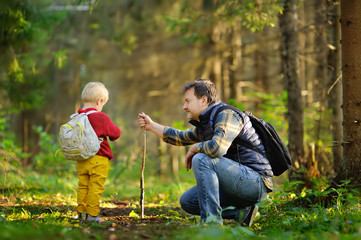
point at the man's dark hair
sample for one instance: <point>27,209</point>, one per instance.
<point>203,87</point>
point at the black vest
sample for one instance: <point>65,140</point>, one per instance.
<point>236,152</point>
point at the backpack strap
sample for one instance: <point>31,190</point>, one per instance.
<point>87,113</point>
<point>90,112</point>
<point>237,139</point>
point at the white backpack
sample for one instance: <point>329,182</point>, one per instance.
<point>77,138</point>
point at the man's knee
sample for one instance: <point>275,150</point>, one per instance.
<point>182,200</point>
<point>188,203</point>
<point>199,159</point>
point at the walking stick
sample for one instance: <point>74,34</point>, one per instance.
<point>142,175</point>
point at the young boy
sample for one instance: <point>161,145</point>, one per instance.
<point>93,172</point>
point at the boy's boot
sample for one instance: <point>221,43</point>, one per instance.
<point>79,216</point>
<point>95,219</point>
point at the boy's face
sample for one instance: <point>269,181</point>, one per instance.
<point>194,106</point>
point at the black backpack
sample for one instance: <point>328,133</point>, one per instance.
<point>276,150</point>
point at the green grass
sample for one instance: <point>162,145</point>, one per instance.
<point>39,206</point>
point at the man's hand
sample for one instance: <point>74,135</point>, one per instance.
<point>145,122</point>
<point>189,156</point>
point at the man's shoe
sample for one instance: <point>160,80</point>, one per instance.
<point>246,217</point>
<point>249,218</point>
<point>95,219</point>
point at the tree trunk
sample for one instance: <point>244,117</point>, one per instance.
<point>26,138</point>
<point>351,73</point>
<point>77,90</point>
<point>290,70</point>
<point>307,55</point>
<point>234,59</point>
<point>260,61</point>
<point>321,77</point>
<point>174,160</point>
<point>336,92</point>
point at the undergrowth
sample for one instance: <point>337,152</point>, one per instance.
<point>38,206</point>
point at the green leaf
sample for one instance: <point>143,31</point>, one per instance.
<point>133,214</point>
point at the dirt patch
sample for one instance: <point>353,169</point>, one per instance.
<point>120,220</point>
<point>159,221</point>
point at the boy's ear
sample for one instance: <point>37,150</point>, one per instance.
<point>102,101</point>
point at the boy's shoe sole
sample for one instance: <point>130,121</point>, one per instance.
<point>96,219</point>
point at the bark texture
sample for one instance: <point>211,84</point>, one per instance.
<point>351,72</point>
<point>290,70</point>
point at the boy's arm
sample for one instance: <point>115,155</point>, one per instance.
<point>103,126</point>
<point>113,131</point>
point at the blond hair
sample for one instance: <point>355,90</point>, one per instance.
<point>93,91</point>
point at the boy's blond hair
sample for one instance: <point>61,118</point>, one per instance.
<point>93,91</point>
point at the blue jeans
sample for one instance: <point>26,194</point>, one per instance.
<point>222,183</point>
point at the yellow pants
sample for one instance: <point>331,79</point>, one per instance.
<point>92,174</point>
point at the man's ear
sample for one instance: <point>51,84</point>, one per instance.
<point>204,100</point>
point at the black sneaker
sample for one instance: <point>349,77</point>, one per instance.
<point>248,220</point>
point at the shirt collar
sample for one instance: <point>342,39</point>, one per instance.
<point>204,114</point>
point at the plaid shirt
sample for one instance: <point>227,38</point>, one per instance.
<point>226,129</point>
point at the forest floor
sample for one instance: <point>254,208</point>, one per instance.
<point>120,220</point>
<point>35,213</point>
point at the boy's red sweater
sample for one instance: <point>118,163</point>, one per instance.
<point>104,128</point>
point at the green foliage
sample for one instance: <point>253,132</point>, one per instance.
<point>124,38</point>
<point>50,159</point>
<point>53,226</point>
<point>179,125</point>
<point>60,58</point>
<point>313,211</point>
<point>194,22</point>
<point>255,15</point>
<point>25,29</point>
<point>13,21</point>
<point>22,22</point>
<point>10,153</point>
<point>317,124</point>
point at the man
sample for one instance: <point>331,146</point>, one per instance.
<point>230,178</point>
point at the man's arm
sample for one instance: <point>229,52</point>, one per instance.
<point>227,127</point>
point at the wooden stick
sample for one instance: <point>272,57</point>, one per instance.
<point>142,176</point>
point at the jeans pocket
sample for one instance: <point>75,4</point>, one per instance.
<point>249,190</point>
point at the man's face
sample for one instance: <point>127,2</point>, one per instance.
<point>194,106</point>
